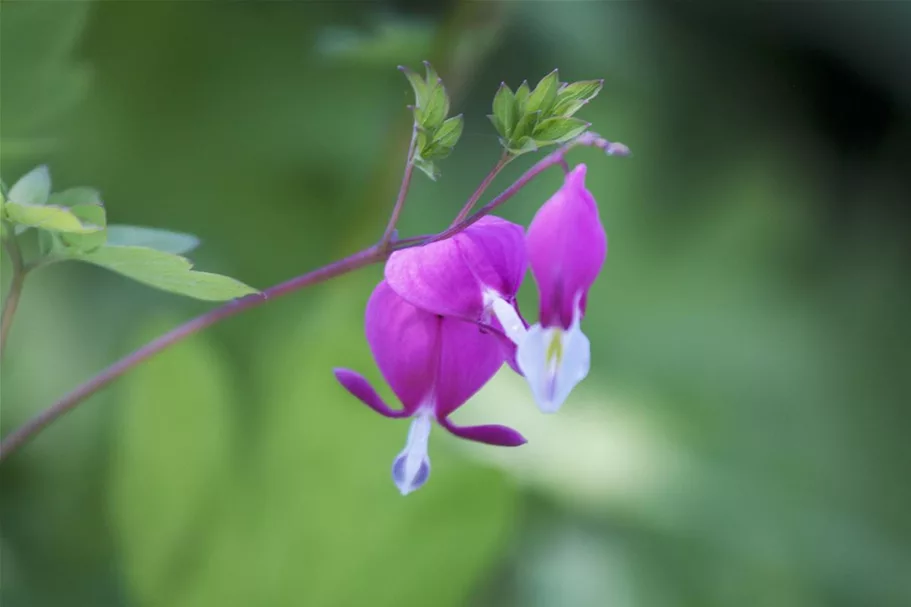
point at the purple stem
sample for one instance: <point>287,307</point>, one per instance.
<point>375,254</point>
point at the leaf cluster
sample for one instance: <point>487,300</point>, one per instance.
<point>436,134</point>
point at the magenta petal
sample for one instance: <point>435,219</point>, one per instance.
<point>469,356</point>
<point>567,246</point>
<point>450,277</point>
<point>363,391</point>
<point>404,341</point>
<point>500,436</point>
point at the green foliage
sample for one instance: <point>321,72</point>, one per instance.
<point>41,80</point>
<point>170,455</point>
<point>312,506</point>
<point>72,225</point>
<point>436,135</point>
<point>530,119</point>
<point>164,271</point>
<point>152,238</point>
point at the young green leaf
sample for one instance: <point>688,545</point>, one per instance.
<point>165,271</point>
<point>525,126</point>
<point>522,146</point>
<point>33,188</point>
<point>504,108</point>
<point>91,213</point>
<point>544,95</point>
<point>498,125</point>
<point>449,132</point>
<point>48,217</point>
<point>521,96</point>
<point>433,114</point>
<point>573,96</point>
<point>558,130</point>
<point>418,84</point>
<point>427,167</point>
<point>166,241</point>
<point>431,75</point>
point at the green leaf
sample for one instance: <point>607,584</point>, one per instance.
<point>161,240</point>
<point>575,95</point>
<point>433,114</point>
<point>522,94</point>
<point>523,146</point>
<point>544,95</point>
<point>48,217</point>
<point>558,130</point>
<point>33,188</point>
<point>165,271</point>
<point>504,109</point>
<point>89,213</point>
<point>171,454</point>
<point>525,126</point>
<point>418,85</point>
<point>499,126</point>
<point>449,132</point>
<point>428,167</point>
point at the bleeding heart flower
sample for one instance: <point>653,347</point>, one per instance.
<point>473,276</point>
<point>567,247</point>
<point>433,365</point>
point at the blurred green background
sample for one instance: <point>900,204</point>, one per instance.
<point>742,438</point>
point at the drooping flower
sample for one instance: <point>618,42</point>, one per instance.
<point>433,365</point>
<point>473,276</point>
<point>567,246</point>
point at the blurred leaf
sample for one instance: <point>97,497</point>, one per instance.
<point>90,213</point>
<point>165,271</point>
<point>504,110</point>
<point>387,43</point>
<point>573,96</point>
<point>523,146</point>
<point>33,188</point>
<point>48,217</point>
<point>542,98</point>
<point>153,238</point>
<point>41,80</point>
<point>558,130</point>
<point>171,452</point>
<point>449,132</point>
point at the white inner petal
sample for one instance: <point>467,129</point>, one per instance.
<point>412,466</point>
<point>508,317</point>
<point>553,361</point>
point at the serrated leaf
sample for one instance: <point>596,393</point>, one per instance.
<point>48,217</point>
<point>575,95</point>
<point>172,454</point>
<point>521,96</point>
<point>504,108</point>
<point>428,167</point>
<point>558,130</point>
<point>161,240</point>
<point>417,84</point>
<point>165,271</point>
<point>544,95</point>
<point>449,132</point>
<point>525,126</point>
<point>33,188</point>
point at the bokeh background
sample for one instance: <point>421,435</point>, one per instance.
<point>742,439</point>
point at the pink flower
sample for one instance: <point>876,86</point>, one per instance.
<point>433,365</point>
<point>566,246</point>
